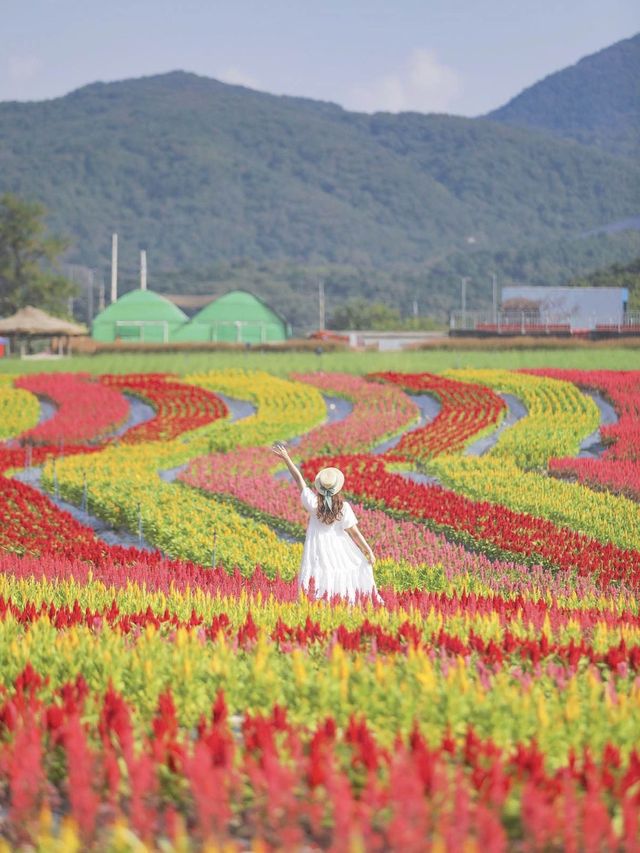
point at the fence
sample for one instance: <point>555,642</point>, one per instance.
<point>524,323</point>
<point>152,331</point>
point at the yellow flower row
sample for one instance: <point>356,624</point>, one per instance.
<point>19,409</point>
<point>559,416</point>
<point>607,517</point>
<point>124,488</point>
<point>394,691</point>
<point>285,409</point>
<point>267,611</point>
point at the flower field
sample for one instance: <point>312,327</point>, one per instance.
<point>184,694</point>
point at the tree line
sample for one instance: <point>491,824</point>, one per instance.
<point>29,259</point>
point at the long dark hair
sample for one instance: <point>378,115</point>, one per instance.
<point>326,515</point>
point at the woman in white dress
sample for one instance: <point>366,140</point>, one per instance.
<point>336,554</point>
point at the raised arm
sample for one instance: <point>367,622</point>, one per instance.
<point>361,542</point>
<point>280,450</point>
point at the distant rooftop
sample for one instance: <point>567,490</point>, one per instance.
<point>189,300</point>
<point>581,307</point>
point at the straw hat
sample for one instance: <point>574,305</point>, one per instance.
<point>329,481</point>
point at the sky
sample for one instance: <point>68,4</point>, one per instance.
<point>464,57</point>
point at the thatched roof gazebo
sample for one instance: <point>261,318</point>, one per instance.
<point>31,322</point>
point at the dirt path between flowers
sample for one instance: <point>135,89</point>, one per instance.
<point>516,410</point>
<point>238,411</point>
<point>429,406</point>
<point>592,446</point>
<point>47,409</point>
<point>338,409</point>
<point>139,412</point>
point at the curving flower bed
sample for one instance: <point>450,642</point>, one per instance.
<point>150,701</point>
<point>85,410</point>
<point>618,468</point>
<point>379,412</point>
<point>179,407</point>
<point>558,416</point>
<point>468,411</point>
<point>494,528</point>
<point>19,409</point>
<point>124,489</point>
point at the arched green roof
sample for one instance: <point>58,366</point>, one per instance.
<point>141,305</point>
<point>238,305</point>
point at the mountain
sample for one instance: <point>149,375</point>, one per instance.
<point>198,171</point>
<point>594,102</point>
<point>227,186</point>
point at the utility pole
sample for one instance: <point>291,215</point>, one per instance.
<point>143,270</point>
<point>415,307</point>
<point>114,268</point>
<point>90,295</point>
<point>494,301</point>
<point>321,306</point>
<point>463,292</point>
<point>101,295</point>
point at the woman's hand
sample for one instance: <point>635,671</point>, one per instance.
<point>372,557</point>
<point>280,449</point>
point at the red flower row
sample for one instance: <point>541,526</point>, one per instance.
<point>620,476</point>
<point>179,407</point>
<point>33,525</point>
<point>618,469</point>
<point>25,457</point>
<point>466,410</point>
<point>622,387</point>
<point>311,787</point>
<point>86,409</point>
<point>118,567</point>
<point>490,525</point>
<point>364,637</point>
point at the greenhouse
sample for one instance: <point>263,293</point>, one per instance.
<point>236,317</point>
<point>140,315</point>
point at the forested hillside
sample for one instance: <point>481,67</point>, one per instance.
<point>616,275</point>
<point>198,171</point>
<point>596,101</point>
<point>224,185</point>
<point>292,288</point>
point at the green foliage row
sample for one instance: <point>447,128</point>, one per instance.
<point>364,314</point>
<point>282,364</point>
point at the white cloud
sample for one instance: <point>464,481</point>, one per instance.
<point>423,84</point>
<point>237,77</point>
<point>22,69</point>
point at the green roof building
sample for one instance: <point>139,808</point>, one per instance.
<point>140,315</point>
<point>237,317</point>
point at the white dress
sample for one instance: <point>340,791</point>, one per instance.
<point>331,557</point>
